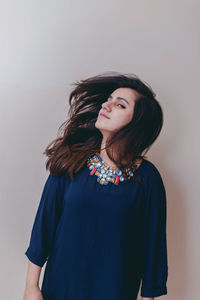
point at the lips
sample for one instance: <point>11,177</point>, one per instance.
<point>101,114</point>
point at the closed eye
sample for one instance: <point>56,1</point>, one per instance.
<point>117,104</point>
<point>122,105</point>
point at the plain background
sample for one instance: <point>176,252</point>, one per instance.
<point>47,45</point>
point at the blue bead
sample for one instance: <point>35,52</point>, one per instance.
<point>118,172</point>
<point>98,164</point>
<point>121,178</point>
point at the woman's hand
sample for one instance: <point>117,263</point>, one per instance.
<point>32,293</point>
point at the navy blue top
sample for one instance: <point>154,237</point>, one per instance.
<point>101,241</point>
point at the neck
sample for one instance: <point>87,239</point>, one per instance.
<point>104,155</point>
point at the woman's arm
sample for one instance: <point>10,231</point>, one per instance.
<point>33,275</point>
<point>46,220</point>
<point>32,282</point>
<point>154,243</point>
<point>147,298</point>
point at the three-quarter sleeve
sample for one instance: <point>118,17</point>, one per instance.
<point>46,220</point>
<point>154,246</point>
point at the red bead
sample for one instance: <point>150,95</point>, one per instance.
<point>93,170</point>
<point>117,180</point>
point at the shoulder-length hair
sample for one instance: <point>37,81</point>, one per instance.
<point>78,138</point>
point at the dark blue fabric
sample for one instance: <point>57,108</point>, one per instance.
<point>101,242</point>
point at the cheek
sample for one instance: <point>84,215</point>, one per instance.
<point>125,118</point>
<point>122,119</point>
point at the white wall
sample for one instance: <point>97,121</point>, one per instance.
<point>45,46</point>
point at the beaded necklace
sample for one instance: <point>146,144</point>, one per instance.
<point>106,173</point>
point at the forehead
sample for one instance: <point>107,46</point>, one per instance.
<point>125,92</point>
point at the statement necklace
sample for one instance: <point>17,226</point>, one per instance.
<point>106,173</point>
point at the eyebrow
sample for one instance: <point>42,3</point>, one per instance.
<point>121,99</point>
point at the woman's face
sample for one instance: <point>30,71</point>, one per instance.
<point>118,108</point>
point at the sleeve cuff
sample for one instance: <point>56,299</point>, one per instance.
<point>154,291</point>
<point>37,260</point>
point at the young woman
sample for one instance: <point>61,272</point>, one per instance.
<point>101,220</point>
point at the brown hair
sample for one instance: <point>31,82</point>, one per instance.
<point>78,138</point>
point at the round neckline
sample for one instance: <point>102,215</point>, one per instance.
<point>124,184</point>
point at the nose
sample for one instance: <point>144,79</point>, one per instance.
<point>106,105</point>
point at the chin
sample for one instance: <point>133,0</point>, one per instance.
<point>95,124</point>
<point>99,124</point>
